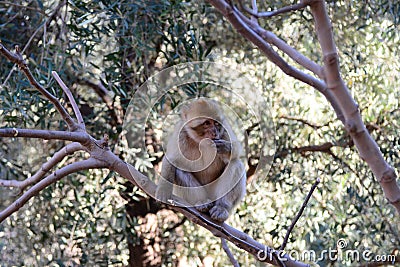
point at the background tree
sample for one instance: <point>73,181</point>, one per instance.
<point>96,217</point>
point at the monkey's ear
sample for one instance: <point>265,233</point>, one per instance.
<point>184,112</point>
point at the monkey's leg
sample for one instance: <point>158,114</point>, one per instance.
<point>233,179</point>
<point>191,190</point>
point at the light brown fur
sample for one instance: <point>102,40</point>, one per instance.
<point>202,163</point>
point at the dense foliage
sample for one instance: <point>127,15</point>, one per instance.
<point>105,50</point>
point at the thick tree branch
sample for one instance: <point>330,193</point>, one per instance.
<point>366,145</point>
<point>81,137</point>
<point>45,168</point>
<point>52,178</point>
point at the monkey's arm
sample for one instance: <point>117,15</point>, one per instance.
<point>165,185</point>
<point>230,189</point>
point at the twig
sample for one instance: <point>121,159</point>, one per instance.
<point>285,240</point>
<point>173,227</point>
<point>18,59</point>
<point>81,137</point>
<point>23,7</point>
<point>255,10</point>
<point>229,253</point>
<point>57,157</point>
<point>304,121</point>
<point>114,109</point>
<point>71,99</point>
<point>270,14</point>
<point>90,163</point>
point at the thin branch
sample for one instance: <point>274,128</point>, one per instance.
<point>173,227</point>
<point>18,59</point>
<point>255,10</point>
<point>45,168</point>
<point>252,35</point>
<point>99,89</point>
<point>274,40</point>
<point>114,109</point>
<point>270,14</point>
<point>81,137</point>
<point>229,253</point>
<point>87,164</point>
<point>276,257</point>
<point>311,124</point>
<point>285,240</point>
<point>23,7</point>
<point>324,147</point>
<point>45,24</point>
<point>71,99</point>
<point>243,241</point>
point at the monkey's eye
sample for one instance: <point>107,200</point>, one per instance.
<point>207,123</point>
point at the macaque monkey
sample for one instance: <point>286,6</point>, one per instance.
<point>202,164</point>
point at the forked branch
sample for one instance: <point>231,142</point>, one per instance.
<point>236,19</point>
<point>45,168</point>
<point>87,164</point>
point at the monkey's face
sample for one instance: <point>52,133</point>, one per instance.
<point>201,128</point>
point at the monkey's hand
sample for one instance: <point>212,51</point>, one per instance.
<point>204,207</point>
<point>219,213</point>
<point>223,146</point>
